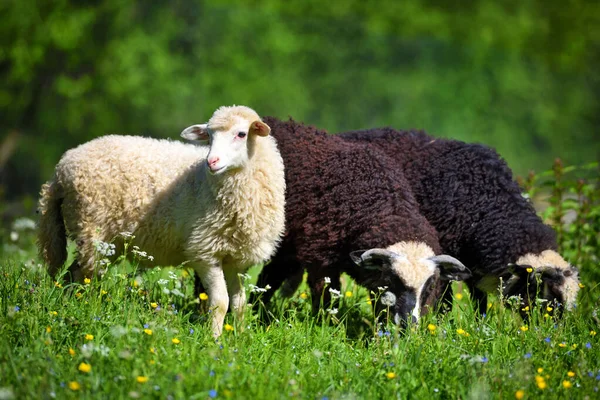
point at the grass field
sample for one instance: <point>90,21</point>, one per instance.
<point>138,334</point>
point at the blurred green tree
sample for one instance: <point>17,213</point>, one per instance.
<point>519,76</point>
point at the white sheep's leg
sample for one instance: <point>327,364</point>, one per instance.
<point>213,280</point>
<point>237,293</point>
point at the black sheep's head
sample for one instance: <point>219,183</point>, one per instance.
<point>406,275</point>
<point>545,280</point>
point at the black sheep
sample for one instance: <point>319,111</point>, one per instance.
<point>342,197</point>
<point>467,192</point>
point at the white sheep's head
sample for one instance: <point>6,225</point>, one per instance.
<point>231,132</point>
<point>411,275</point>
<point>547,277</point>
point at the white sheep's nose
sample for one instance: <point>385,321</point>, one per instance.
<point>212,163</point>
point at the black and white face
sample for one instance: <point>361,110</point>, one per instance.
<point>405,278</point>
<point>556,287</point>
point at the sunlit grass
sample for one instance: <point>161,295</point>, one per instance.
<point>129,335</point>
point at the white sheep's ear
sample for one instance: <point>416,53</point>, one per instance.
<point>260,128</point>
<point>450,268</point>
<point>197,133</point>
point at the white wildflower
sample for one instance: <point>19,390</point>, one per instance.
<point>177,292</point>
<point>105,249</point>
<point>126,235</point>
<point>22,224</point>
<point>335,294</point>
<point>327,280</point>
<point>382,288</point>
<point>332,311</point>
<point>172,275</point>
<point>162,281</point>
<point>14,236</point>
<point>256,289</point>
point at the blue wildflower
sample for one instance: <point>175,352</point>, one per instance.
<point>212,393</point>
<point>17,308</point>
<point>211,373</point>
<point>547,340</point>
<point>379,333</point>
<point>528,355</point>
<point>146,326</point>
<point>484,359</point>
<point>191,331</point>
<point>588,345</point>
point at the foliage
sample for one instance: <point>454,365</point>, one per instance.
<point>518,76</point>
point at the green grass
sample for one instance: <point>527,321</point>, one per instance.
<point>46,350</point>
<point>295,356</point>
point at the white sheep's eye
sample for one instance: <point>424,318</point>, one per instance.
<point>241,134</point>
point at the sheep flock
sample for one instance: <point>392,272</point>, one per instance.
<point>401,212</point>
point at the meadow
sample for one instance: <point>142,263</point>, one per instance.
<point>138,334</point>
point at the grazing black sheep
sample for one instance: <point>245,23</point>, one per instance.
<point>467,192</point>
<point>342,197</point>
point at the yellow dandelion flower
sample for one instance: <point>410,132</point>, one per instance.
<point>89,337</point>
<point>539,371</point>
<point>519,394</point>
<point>574,346</point>
<point>74,385</point>
<point>570,374</point>
<point>431,328</point>
<point>546,315</point>
<point>103,292</point>
<point>458,296</point>
<point>562,345</point>
<point>151,362</point>
<point>57,284</point>
<point>529,270</point>
<point>348,293</point>
<point>135,283</point>
<point>390,375</point>
<point>175,341</point>
<point>490,305</point>
<point>87,281</point>
<point>53,313</point>
<point>549,309</point>
<point>581,285</point>
<point>228,327</point>
<point>524,328</point>
<point>152,350</point>
<point>203,296</point>
<point>153,305</point>
<point>567,384</point>
<point>461,331</point>
<point>303,296</point>
<point>542,385</point>
<point>148,331</point>
<point>83,367</point>
<point>71,352</point>
<point>184,273</point>
<point>592,333</point>
<point>526,308</point>
<point>48,329</point>
<point>142,379</point>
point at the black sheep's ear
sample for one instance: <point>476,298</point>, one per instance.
<point>520,270</point>
<point>450,268</point>
<point>374,259</point>
<point>571,271</point>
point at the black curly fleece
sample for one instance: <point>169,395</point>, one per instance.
<point>340,197</point>
<point>468,194</point>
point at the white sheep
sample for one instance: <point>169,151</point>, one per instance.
<point>219,209</point>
